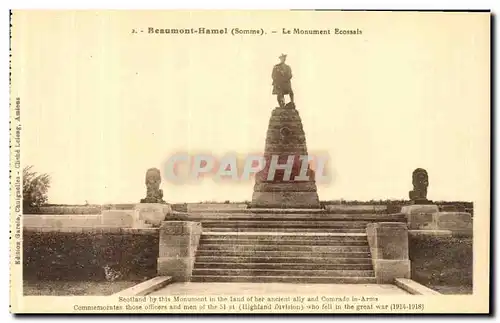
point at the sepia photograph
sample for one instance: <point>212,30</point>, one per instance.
<point>292,161</point>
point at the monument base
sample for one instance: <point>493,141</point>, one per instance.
<point>152,200</point>
<point>294,188</point>
<point>421,202</point>
<point>286,200</point>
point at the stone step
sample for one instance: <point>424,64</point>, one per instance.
<point>228,265</point>
<point>281,259</point>
<point>286,279</point>
<point>281,247</point>
<point>282,272</point>
<point>332,211</point>
<point>282,236</point>
<point>275,242</point>
<point>283,224</point>
<point>309,216</point>
<point>271,254</point>
<point>264,211</point>
<point>285,229</point>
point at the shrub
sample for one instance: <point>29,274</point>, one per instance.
<point>35,188</point>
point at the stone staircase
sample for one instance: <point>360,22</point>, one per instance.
<point>300,247</point>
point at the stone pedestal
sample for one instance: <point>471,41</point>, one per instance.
<point>421,201</point>
<point>420,216</point>
<point>150,214</point>
<point>389,248</point>
<point>286,200</point>
<point>285,139</point>
<point>178,244</point>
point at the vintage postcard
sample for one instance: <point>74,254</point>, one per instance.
<point>293,161</point>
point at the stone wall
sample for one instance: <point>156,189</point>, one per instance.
<point>356,208</point>
<point>108,219</point>
<point>61,221</point>
<point>428,217</point>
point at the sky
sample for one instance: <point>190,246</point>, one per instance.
<point>100,105</point>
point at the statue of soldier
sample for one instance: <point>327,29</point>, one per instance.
<point>282,74</point>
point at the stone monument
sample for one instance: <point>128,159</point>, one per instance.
<point>424,215</point>
<point>153,209</point>
<point>421,211</point>
<point>153,192</point>
<point>420,181</point>
<point>285,140</point>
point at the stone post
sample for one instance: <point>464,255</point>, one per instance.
<point>389,248</point>
<point>178,244</point>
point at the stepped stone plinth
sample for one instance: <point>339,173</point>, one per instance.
<point>285,139</point>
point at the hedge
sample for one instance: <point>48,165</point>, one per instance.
<point>441,260</point>
<point>90,209</point>
<point>94,209</point>
<point>180,207</point>
<point>84,255</point>
<point>393,206</point>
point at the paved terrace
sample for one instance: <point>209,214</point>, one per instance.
<point>216,289</point>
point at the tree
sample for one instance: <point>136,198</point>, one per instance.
<point>35,188</point>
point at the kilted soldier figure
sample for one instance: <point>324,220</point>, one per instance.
<point>282,74</point>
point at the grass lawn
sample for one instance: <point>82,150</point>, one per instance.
<point>74,288</point>
<point>453,290</point>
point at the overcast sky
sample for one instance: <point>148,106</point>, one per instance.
<point>101,105</point>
